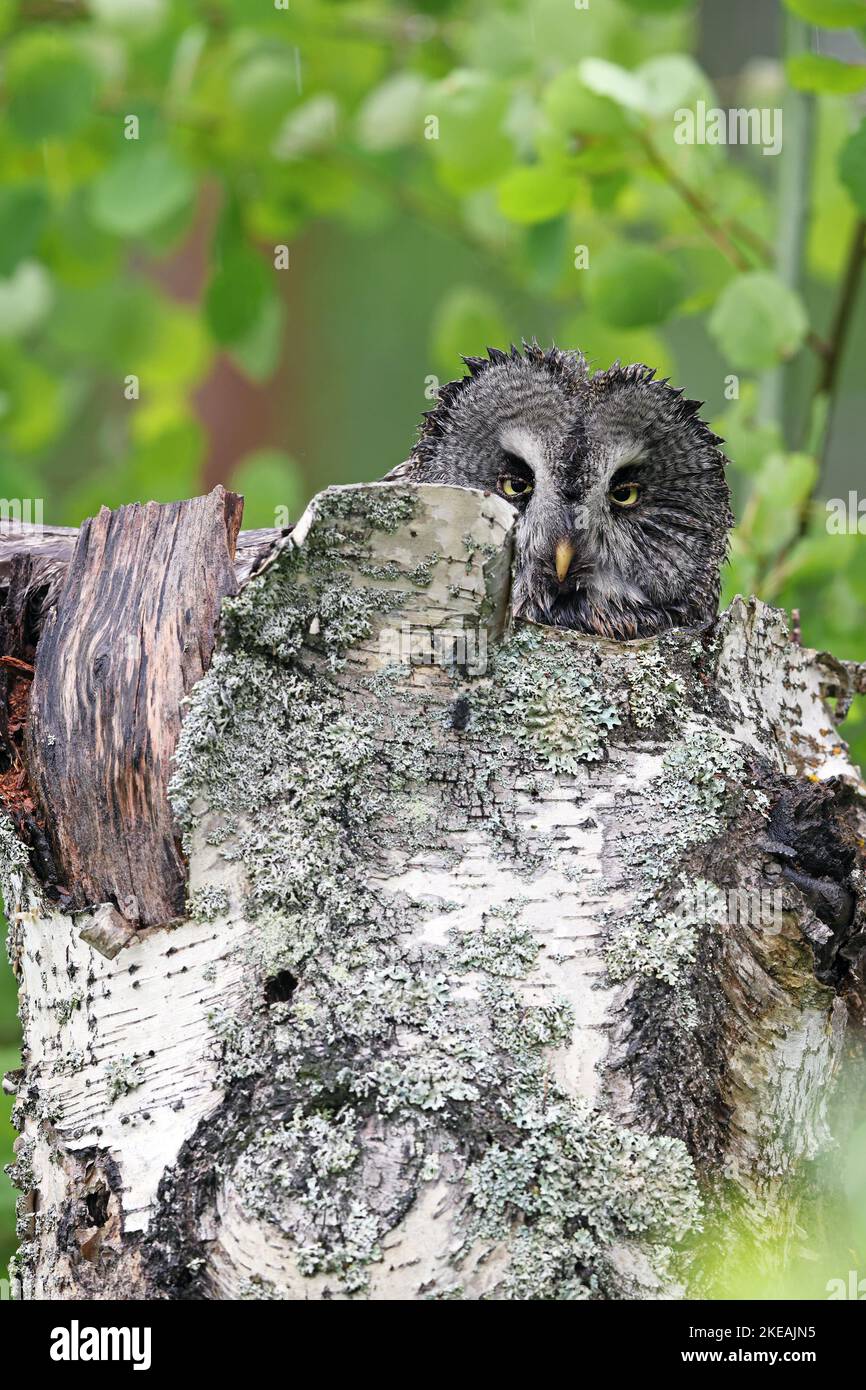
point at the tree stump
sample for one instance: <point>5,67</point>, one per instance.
<point>513,964</point>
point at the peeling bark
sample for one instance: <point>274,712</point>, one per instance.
<point>458,1006</point>
<point>131,634</point>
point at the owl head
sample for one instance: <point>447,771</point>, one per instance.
<point>623,508</point>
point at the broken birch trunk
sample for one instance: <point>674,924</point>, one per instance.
<point>495,961</point>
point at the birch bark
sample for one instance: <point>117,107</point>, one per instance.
<point>511,964</point>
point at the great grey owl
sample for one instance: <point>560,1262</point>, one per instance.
<point>623,508</point>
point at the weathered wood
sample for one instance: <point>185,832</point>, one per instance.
<point>131,634</point>
<point>50,549</point>
<point>17,649</point>
<point>457,1009</point>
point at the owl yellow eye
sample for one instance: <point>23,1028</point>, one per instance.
<point>624,494</point>
<point>515,487</point>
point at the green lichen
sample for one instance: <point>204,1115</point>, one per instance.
<point>402,1057</point>
<point>208,903</point>
<point>474,548</point>
<point>65,1008</point>
<point>698,788</point>
<point>546,697</point>
<point>376,508</point>
<point>122,1076</point>
<point>579,1184</point>
<point>649,941</point>
<point>259,1290</point>
<point>17,883</point>
<point>421,575</point>
<point>654,691</point>
<point>313,596</point>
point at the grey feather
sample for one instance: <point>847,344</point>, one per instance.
<point>576,436</point>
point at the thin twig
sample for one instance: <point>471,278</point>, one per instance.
<point>720,232</point>
<point>714,229</point>
<point>823,398</point>
<point>844,311</point>
<point>792,197</point>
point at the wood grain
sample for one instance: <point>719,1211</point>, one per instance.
<point>131,633</point>
<point>50,550</point>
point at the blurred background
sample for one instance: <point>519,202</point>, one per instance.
<point>242,241</point>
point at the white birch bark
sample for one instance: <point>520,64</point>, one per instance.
<point>458,1009</point>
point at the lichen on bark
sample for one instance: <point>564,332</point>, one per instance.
<point>452,1013</point>
<point>410,1051</point>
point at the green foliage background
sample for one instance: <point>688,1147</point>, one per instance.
<point>432,168</point>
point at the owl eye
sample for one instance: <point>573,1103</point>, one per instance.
<point>624,494</point>
<point>515,487</point>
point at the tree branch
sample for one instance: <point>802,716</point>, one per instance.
<point>720,233</point>
<point>793,197</point>
<point>823,399</point>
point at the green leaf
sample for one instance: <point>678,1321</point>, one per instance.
<point>467,321</point>
<point>758,321</point>
<point>829,14</point>
<point>8,14</point>
<point>852,166</point>
<point>706,273</point>
<point>262,91</point>
<point>547,256</point>
<point>832,213</point>
<point>112,326</point>
<point>610,80</point>
<point>257,354</point>
<point>25,298</point>
<point>468,141</point>
<point>167,464</point>
<point>142,189</point>
<point>572,108</point>
<point>237,295</point>
<point>31,409</point>
<point>392,115</point>
<point>747,442</point>
<point>634,286</point>
<point>656,88</point>
<point>813,72</point>
<point>180,352</point>
<point>657,6</point>
<point>779,491</point>
<point>51,86</point>
<point>534,193</point>
<point>131,15</point>
<point>272,486</point>
<point>310,127</point>
<point>23,213</point>
<point>817,558</point>
<point>671,81</point>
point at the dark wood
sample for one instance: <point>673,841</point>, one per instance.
<point>17,649</point>
<point>50,549</point>
<point>130,634</point>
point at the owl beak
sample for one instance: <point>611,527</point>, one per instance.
<point>563,558</point>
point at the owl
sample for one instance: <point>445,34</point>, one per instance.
<point>623,507</point>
